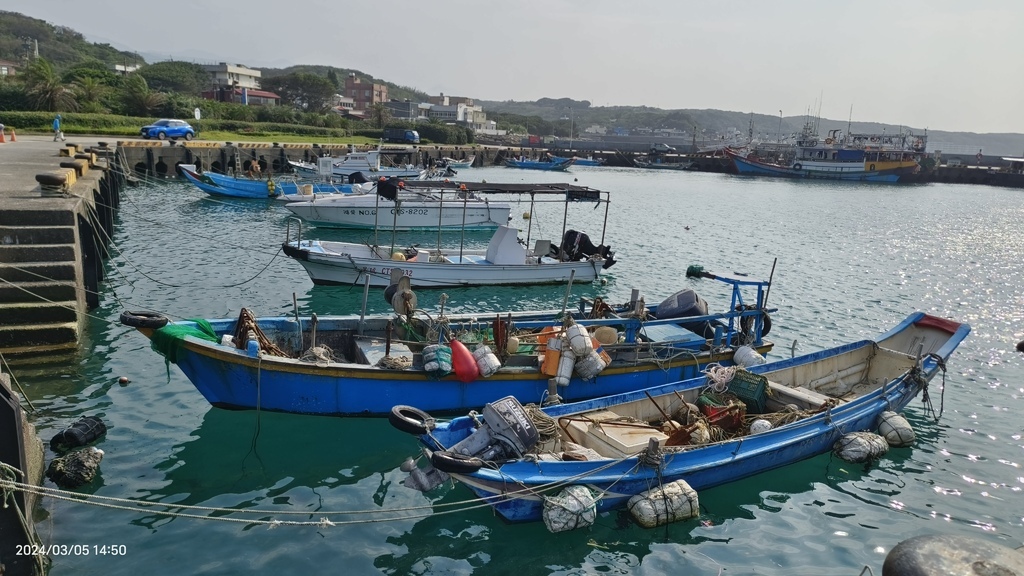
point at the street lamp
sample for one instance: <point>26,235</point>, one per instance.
<point>780,126</point>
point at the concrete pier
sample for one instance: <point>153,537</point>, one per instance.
<point>57,204</point>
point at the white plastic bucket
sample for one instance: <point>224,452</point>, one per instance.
<point>746,356</point>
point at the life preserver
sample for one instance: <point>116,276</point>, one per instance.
<point>797,166</point>
<point>455,463</point>
<point>828,140</point>
<point>270,188</point>
<point>152,320</point>
<point>411,420</point>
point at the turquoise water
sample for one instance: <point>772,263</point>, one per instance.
<point>853,260</point>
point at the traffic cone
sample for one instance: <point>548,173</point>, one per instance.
<point>14,137</point>
<point>2,139</point>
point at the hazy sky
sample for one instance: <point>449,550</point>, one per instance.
<point>943,65</point>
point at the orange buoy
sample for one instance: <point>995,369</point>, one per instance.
<point>465,366</point>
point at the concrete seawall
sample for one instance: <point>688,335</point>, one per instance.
<point>57,206</point>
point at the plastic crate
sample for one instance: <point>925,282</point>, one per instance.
<point>752,389</point>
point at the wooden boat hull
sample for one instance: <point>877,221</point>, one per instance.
<point>889,363</point>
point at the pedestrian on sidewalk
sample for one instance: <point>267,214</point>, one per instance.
<point>57,132</point>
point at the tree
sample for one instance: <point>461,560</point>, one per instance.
<point>309,92</point>
<point>90,93</point>
<point>46,90</point>
<point>380,114</point>
<point>181,77</point>
<point>138,99</point>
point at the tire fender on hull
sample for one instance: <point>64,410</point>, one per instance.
<point>411,420</point>
<point>455,463</point>
<point>143,319</point>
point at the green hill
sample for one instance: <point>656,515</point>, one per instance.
<point>58,44</point>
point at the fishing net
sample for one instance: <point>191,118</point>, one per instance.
<point>168,340</point>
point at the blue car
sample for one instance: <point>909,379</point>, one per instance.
<point>173,129</point>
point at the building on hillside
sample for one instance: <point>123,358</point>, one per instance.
<point>342,104</point>
<point>234,75</point>
<point>126,69</point>
<point>247,96</point>
<point>443,100</point>
<point>364,95</point>
<point>8,68</point>
<point>407,111</point>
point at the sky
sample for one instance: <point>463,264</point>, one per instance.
<point>937,64</point>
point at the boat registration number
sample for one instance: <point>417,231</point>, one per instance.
<point>413,211</point>
<point>386,271</point>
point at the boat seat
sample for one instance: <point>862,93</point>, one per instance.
<point>542,248</point>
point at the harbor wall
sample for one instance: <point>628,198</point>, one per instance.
<point>54,237</point>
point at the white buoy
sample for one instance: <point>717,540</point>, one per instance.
<point>566,363</point>
<point>579,340</point>
<point>512,346</point>
<point>659,506</point>
<point>573,507</point>
<point>860,447</point>
<point>760,425</point>
<point>895,429</point>
<point>486,361</point>
<point>590,365</point>
<point>746,356</point>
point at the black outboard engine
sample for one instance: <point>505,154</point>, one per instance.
<point>357,178</point>
<point>507,432</point>
<point>577,246</point>
<point>684,304</point>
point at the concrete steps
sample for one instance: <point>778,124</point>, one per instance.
<point>40,276</point>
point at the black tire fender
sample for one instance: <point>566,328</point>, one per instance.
<point>143,319</point>
<point>455,463</point>
<point>411,420</point>
<point>797,166</point>
<point>766,326</point>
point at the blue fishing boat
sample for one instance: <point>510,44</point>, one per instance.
<point>281,189</point>
<point>625,445</point>
<point>855,157</point>
<point>339,365</point>
<point>577,161</point>
<point>560,164</point>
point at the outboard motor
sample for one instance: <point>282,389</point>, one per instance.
<point>577,246</point>
<point>684,304</point>
<point>507,432</point>
<point>357,178</point>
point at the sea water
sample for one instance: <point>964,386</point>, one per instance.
<point>850,261</point>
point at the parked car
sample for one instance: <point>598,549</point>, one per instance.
<point>661,148</point>
<point>173,129</point>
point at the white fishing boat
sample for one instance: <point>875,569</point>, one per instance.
<point>398,206</point>
<point>356,161</point>
<point>507,259</point>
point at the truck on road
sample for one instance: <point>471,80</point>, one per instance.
<point>401,135</point>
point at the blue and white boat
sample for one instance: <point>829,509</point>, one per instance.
<point>577,161</point>
<point>561,164</point>
<point>627,444</point>
<point>856,157</point>
<point>335,365</point>
<point>276,188</point>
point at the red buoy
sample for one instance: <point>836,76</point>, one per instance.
<point>465,366</point>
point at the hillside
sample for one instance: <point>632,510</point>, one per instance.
<point>719,122</point>
<point>394,90</point>
<point>58,44</point>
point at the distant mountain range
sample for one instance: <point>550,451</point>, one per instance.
<point>66,47</point>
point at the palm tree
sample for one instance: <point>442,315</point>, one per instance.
<point>45,90</point>
<point>380,114</point>
<point>90,92</point>
<point>138,98</point>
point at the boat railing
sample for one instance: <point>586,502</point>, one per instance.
<point>288,231</point>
